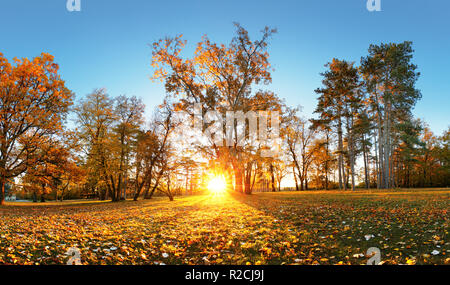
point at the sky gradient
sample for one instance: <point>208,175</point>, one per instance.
<point>107,43</point>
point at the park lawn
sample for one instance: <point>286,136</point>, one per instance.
<point>320,227</point>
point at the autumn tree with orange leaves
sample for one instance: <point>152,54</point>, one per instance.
<point>34,102</point>
<point>58,168</point>
<point>220,77</point>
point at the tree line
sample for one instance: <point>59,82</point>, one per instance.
<point>363,132</point>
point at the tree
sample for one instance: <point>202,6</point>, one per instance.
<point>129,113</point>
<point>363,128</point>
<point>427,159</point>
<point>337,104</point>
<point>443,157</point>
<point>69,164</point>
<point>147,154</point>
<point>154,149</point>
<point>56,170</point>
<point>219,78</point>
<point>323,161</point>
<point>34,102</point>
<point>94,118</point>
<point>407,150</point>
<point>298,135</point>
<point>109,128</point>
<point>389,79</point>
<point>167,180</point>
<point>280,172</point>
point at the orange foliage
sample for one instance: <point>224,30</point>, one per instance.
<point>33,103</point>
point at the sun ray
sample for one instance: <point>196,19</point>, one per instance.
<point>217,184</point>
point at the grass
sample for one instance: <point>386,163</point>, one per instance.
<point>320,227</point>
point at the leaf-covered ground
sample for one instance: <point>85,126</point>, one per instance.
<point>409,227</point>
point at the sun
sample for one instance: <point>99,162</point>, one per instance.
<point>217,184</point>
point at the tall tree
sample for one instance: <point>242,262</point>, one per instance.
<point>34,102</point>
<point>407,150</point>
<point>129,112</point>
<point>363,129</point>
<point>298,135</point>
<point>337,102</point>
<point>154,151</point>
<point>390,79</point>
<point>94,118</point>
<point>221,78</point>
<point>323,159</point>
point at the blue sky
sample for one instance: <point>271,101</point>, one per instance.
<point>107,43</point>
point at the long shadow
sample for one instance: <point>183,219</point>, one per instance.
<point>266,204</point>
<point>96,206</point>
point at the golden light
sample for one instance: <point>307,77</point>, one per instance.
<point>217,184</point>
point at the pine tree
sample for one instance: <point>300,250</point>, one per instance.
<point>389,78</point>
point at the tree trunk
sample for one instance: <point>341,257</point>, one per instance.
<point>377,165</point>
<point>351,150</point>
<point>43,193</point>
<point>340,157</point>
<point>102,194</point>
<point>2,191</point>
<point>386,147</point>
<point>238,180</point>
<point>295,178</point>
<point>169,192</point>
<point>149,195</point>
<point>366,174</point>
<point>138,190</point>
<point>326,162</point>
<point>247,182</point>
<point>272,176</point>
<point>346,175</point>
